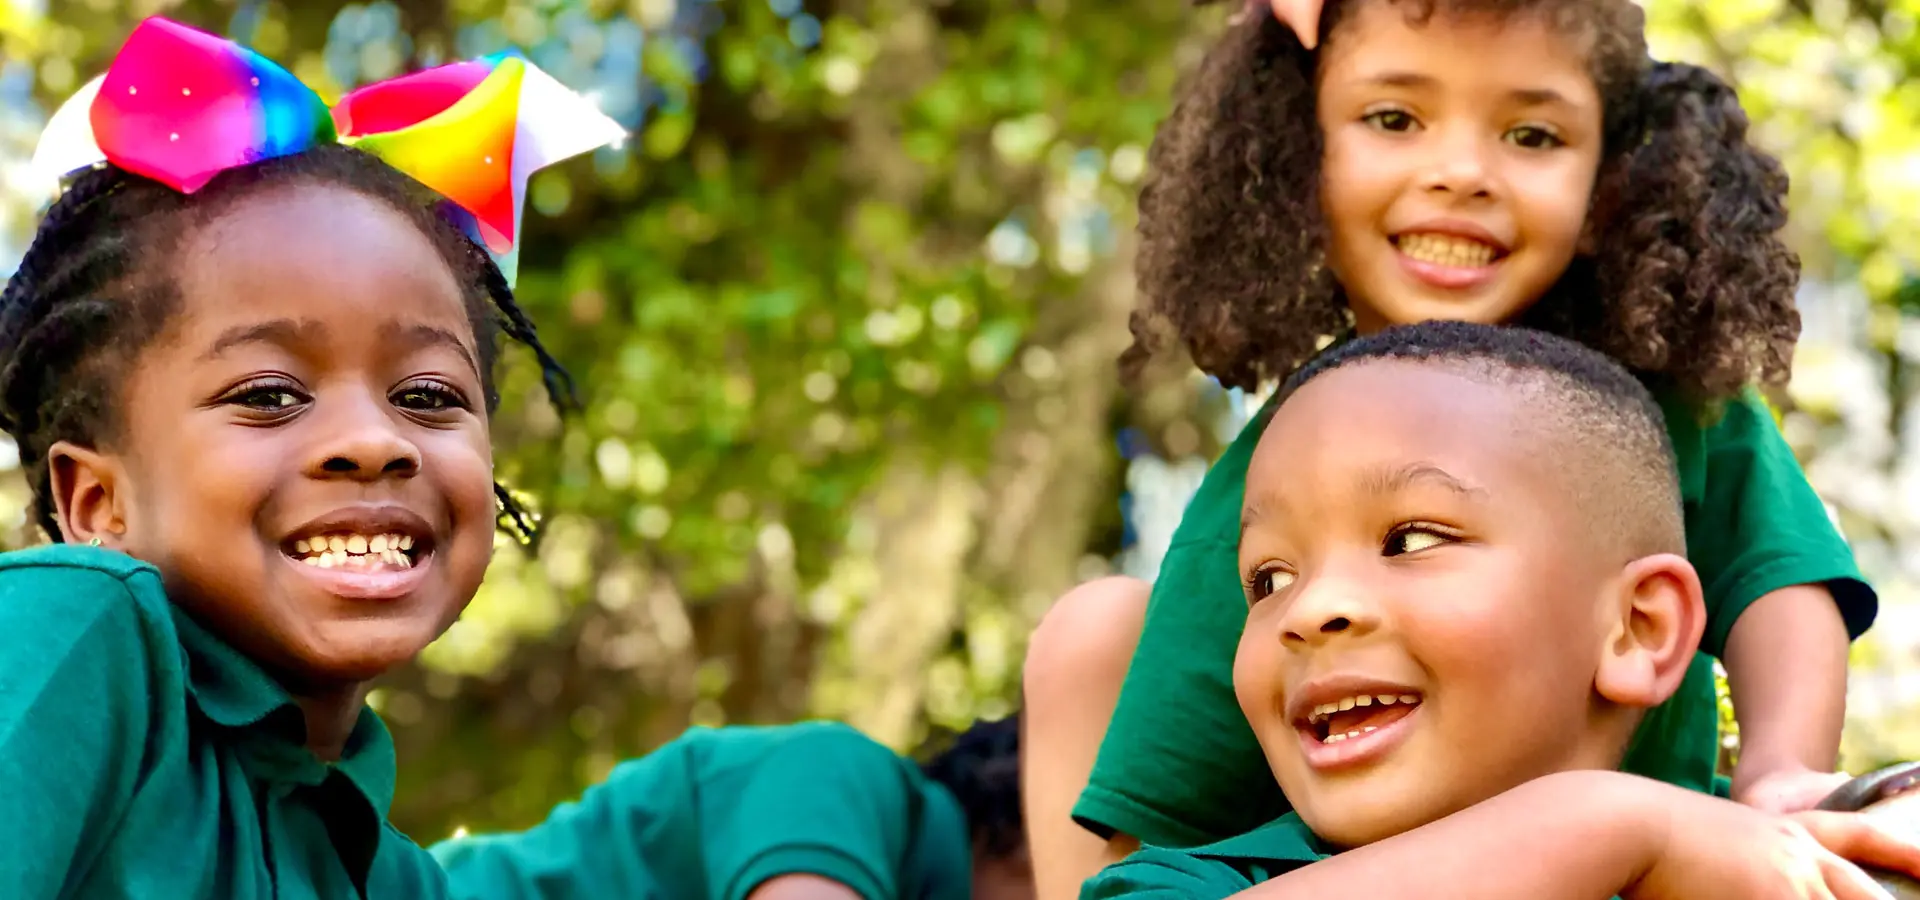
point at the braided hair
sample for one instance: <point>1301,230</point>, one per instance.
<point>97,285</point>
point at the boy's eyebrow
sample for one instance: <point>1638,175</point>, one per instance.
<point>1524,96</point>
<point>1386,481</point>
<point>1381,482</point>
<point>283,332</point>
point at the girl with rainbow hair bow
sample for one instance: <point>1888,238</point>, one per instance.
<point>248,361</point>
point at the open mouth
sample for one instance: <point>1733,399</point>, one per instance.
<point>1356,716</point>
<point>1451,251</point>
<point>365,552</point>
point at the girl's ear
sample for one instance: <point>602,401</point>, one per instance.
<point>87,498</point>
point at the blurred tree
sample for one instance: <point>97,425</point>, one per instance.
<point>844,313</point>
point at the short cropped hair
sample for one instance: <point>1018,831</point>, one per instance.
<point>1611,432</point>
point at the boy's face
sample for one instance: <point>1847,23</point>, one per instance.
<point>1460,160</point>
<point>1425,621</point>
<point>318,383</point>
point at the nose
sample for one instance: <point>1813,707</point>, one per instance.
<point>1325,608</point>
<point>362,442</point>
<point>1462,165</point>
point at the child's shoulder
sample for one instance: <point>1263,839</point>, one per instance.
<point>1218,870</point>
<point>80,584</point>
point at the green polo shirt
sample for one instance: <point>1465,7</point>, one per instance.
<point>718,812</point>
<point>1213,872</point>
<point>1179,766</point>
<point>142,757</point>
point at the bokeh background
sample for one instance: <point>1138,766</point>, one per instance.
<point>845,310</point>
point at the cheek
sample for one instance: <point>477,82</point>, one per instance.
<point>1255,678</point>
<point>463,463</point>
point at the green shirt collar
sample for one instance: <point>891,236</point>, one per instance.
<point>265,726</point>
<point>1286,841</point>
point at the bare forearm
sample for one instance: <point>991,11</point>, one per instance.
<point>1787,668</point>
<point>803,887</point>
<point>1575,834</point>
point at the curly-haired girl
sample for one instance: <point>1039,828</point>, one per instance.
<point>1496,161</point>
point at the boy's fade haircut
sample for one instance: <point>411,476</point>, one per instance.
<point>1611,436</point>
<point>1688,280</point>
<point>981,769</point>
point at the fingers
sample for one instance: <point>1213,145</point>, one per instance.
<point>1847,882</point>
<point>1791,794</point>
<point>1863,840</point>
<point>1303,16</point>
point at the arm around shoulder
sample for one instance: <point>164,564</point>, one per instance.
<point>80,652</point>
<point>1574,834</point>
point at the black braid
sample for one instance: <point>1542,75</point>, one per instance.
<point>96,286</point>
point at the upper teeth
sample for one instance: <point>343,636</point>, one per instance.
<point>337,549</point>
<point>1321,712</point>
<point>1447,250</point>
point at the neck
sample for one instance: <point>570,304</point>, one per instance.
<point>330,718</point>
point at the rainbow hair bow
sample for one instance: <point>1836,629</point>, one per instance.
<point>180,106</point>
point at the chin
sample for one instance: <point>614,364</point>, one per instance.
<point>362,650</point>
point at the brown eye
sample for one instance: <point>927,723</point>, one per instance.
<point>1413,539</point>
<point>1266,581</point>
<point>1396,120</point>
<point>1533,138</point>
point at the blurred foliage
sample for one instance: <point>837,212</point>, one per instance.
<point>844,311</point>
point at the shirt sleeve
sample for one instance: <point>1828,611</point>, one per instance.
<point>76,672</point>
<point>829,802</point>
<point>1761,527</point>
<point>1159,874</point>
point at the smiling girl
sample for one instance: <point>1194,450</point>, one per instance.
<point>1489,161</point>
<point>249,370</point>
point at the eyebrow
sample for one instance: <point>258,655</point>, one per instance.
<point>290,334</point>
<point>1384,481</point>
<point>430,336</point>
<point>286,333</point>
<point>1524,96</point>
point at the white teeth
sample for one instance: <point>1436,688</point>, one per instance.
<point>378,544</point>
<point>1321,712</point>
<point>355,544</point>
<point>301,546</point>
<point>336,543</point>
<point>1446,250</point>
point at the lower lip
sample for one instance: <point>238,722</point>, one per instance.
<point>385,584</point>
<point>1452,278</point>
<point>1356,751</point>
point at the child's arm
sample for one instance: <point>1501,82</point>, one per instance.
<point>77,669</point>
<point>1790,715</point>
<point>1575,834</point>
<point>1784,597</point>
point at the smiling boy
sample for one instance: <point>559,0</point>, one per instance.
<point>1462,550</point>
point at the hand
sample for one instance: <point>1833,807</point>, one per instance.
<point>1303,16</point>
<point>1790,790</point>
<point>1718,849</point>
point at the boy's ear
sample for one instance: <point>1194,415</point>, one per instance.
<point>87,499</point>
<point>1657,619</point>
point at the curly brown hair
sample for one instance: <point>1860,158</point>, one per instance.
<point>1687,283</point>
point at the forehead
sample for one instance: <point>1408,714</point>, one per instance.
<point>1460,49</point>
<point>316,253</point>
<point>1348,425</point>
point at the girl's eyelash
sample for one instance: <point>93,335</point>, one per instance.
<point>454,396</point>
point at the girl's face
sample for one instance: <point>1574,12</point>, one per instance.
<point>318,387</point>
<point>1460,158</point>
